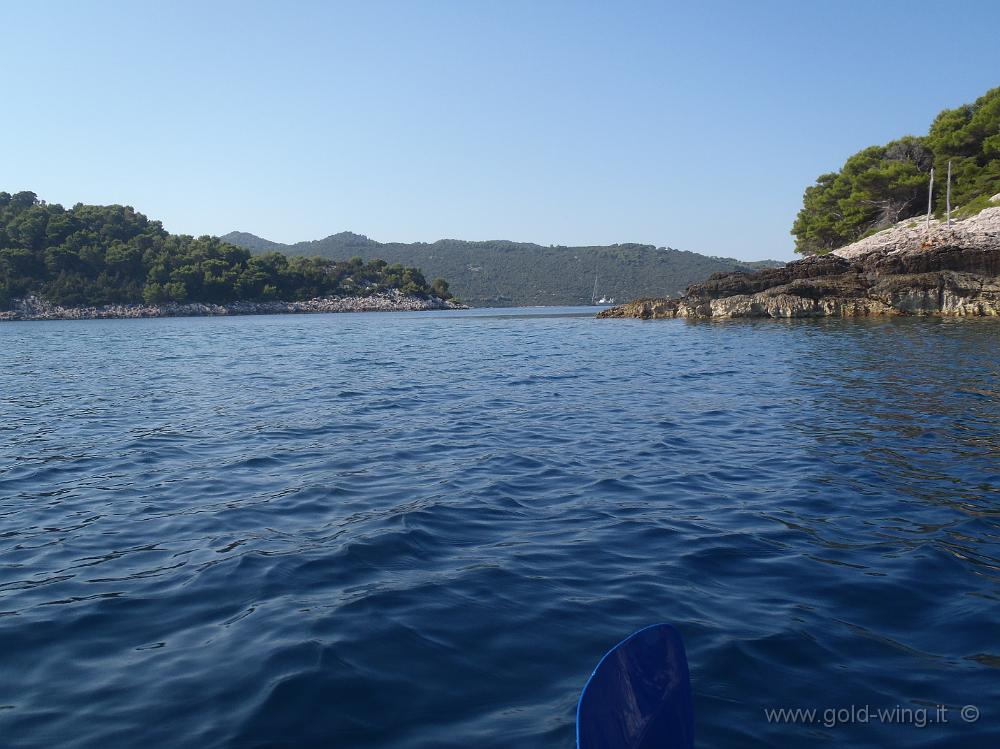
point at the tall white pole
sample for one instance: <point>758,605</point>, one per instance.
<point>930,201</point>
<point>947,199</point>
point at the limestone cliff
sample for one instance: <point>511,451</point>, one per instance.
<point>947,270</point>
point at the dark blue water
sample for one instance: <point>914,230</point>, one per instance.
<point>424,530</point>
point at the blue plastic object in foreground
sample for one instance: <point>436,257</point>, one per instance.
<point>639,696</point>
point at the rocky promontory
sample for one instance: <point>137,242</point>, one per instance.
<point>34,308</point>
<point>909,269</point>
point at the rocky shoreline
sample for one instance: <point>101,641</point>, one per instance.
<point>906,270</point>
<point>33,308</point>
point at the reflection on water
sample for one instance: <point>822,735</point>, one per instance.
<point>422,530</point>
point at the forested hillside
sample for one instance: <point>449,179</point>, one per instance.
<point>882,185</point>
<point>500,273</point>
<point>94,255</point>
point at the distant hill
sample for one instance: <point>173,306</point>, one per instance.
<point>500,273</point>
<point>251,242</point>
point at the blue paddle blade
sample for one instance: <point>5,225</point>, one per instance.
<point>639,696</point>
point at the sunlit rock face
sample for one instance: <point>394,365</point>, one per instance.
<point>942,280</point>
<point>913,268</point>
<point>34,308</point>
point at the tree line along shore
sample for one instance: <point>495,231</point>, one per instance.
<point>107,258</point>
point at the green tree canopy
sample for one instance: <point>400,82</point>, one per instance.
<point>93,255</point>
<point>882,185</point>
<point>969,137</point>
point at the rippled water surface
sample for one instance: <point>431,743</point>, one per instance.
<point>423,530</point>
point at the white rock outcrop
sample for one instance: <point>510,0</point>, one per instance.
<point>912,235</point>
<point>34,308</point>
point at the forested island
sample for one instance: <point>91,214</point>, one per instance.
<point>869,248</point>
<point>500,273</point>
<point>112,261</point>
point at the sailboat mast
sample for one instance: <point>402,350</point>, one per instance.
<point>593,294</point>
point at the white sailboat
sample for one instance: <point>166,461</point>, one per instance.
<point>593,295</point>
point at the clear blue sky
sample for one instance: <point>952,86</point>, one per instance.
<point>695,125</point>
